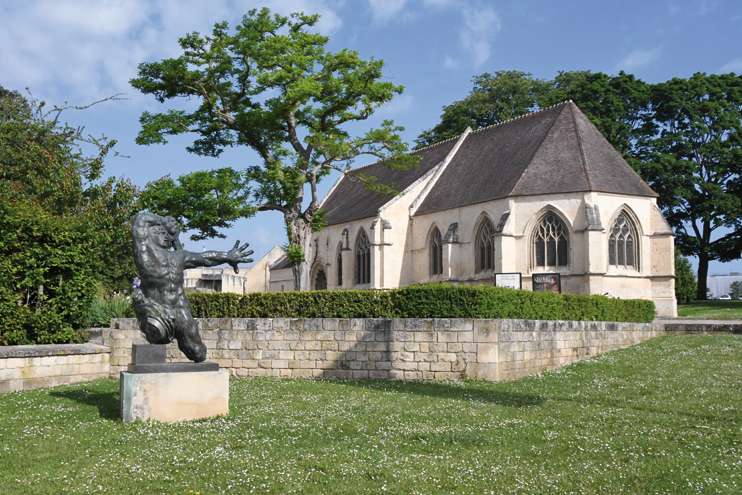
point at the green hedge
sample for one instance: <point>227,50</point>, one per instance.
<point>426,301</point>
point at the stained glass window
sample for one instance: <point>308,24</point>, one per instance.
<point>622,243</point>
<point>485,247</point>
<point>436,252</point>
<point>363,259</point>
<point>550,243</point>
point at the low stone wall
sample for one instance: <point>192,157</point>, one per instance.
<point>408,349</point>
<point>23,367</point>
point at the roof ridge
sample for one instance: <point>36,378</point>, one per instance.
<point>522,116</point>
<point>408,153</point>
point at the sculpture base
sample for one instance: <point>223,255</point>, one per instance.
<point>171,397</point>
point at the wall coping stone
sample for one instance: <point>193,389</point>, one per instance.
<point>41,350</point>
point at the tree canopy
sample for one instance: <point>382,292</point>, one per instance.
<point>682,136</point>
<point>63,231</point>
<point>271,85</point>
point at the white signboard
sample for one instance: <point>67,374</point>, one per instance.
<point>509,280</point>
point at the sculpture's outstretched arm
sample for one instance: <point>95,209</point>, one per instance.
<point>233,257</point>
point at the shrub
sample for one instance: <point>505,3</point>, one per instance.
<point>426,301</point>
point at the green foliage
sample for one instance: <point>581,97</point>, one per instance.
<point>735,289</point>
<point>269,84</point>
<point>47,280</point>
<point>685,279</point>
<point>202,201</point>
<point>295,254</point>
<point>422,301</point>
<point>103,310</point>
<point>62,230</point>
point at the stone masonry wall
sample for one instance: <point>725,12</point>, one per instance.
<point>24,367</point>
<point>405,349</point>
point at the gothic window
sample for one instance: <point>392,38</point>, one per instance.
<point>436,252</point>
<point>550,242</point>
<point>485,247</point>
<point>623,244</point>
<point>363,259</point>
<point>340,266</point>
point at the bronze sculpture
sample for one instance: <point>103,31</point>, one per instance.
<point>160,303</point>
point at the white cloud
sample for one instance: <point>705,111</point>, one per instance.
<point>480,27</point>
<point>638,58</point>
<point>450,63</point>
<point>83,50</point>
<point>733,66</point>
<point>386,10</point>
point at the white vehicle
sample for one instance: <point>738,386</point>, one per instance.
<point>725,297</point>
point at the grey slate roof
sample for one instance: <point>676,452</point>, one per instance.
<point>351,201</point>
<point>556,150</point>
<point>281,263</point>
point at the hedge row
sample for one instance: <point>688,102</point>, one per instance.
<point>427,301</point>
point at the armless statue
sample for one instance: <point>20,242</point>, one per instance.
<point>160,303</point>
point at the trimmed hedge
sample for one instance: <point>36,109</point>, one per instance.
<point>426,301</point>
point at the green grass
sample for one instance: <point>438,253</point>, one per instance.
<point>660,417</point>
<point>711,310</point>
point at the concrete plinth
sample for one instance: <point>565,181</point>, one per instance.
<point>173,396</point>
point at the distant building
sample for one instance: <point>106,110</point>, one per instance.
<point>719,285</point>
<point>540,194</point>
<point>223,279</point>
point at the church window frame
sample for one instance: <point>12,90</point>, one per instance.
<point>624,242</point>
<point>484,247</point>
<point>362,253</point>
<point>435,252</point>
<point>550,242</point>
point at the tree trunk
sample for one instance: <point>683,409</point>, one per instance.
<point>703,269</point>
<point>300,235</point>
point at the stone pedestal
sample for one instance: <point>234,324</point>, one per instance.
<point>154,389</point>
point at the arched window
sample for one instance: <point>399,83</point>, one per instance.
<point>340,266</point>
<point>550,242</point>
<point>363,259</point>
<point>436,252</point>
<point>485,247</point>
<point>623,248</point>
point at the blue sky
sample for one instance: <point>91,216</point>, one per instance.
<point>80,51</point>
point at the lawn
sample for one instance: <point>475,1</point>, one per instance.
<point>711,310</point>
<point>660,417</point>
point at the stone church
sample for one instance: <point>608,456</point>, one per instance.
<point>540,194</point>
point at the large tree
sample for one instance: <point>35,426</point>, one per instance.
<point>691,155</point>
<point>273,87</point>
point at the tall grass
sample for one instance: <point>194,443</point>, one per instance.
<point>103,310</point>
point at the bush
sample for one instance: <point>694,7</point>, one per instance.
<point>46,282</point>
<point>426,301</point>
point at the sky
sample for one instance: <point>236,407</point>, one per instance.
<point>81,51</point>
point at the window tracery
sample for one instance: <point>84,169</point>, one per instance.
<point>550,243</point>
<point>485,247</point>
<point>363,259</point>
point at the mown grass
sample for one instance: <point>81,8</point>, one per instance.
<point>711,310</point>
<point>660,417</point>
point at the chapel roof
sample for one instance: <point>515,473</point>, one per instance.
<point>350,200</point>
<point>556,150</point>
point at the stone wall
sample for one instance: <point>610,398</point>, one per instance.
<point>24,367</point>
<point>406,349</point>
